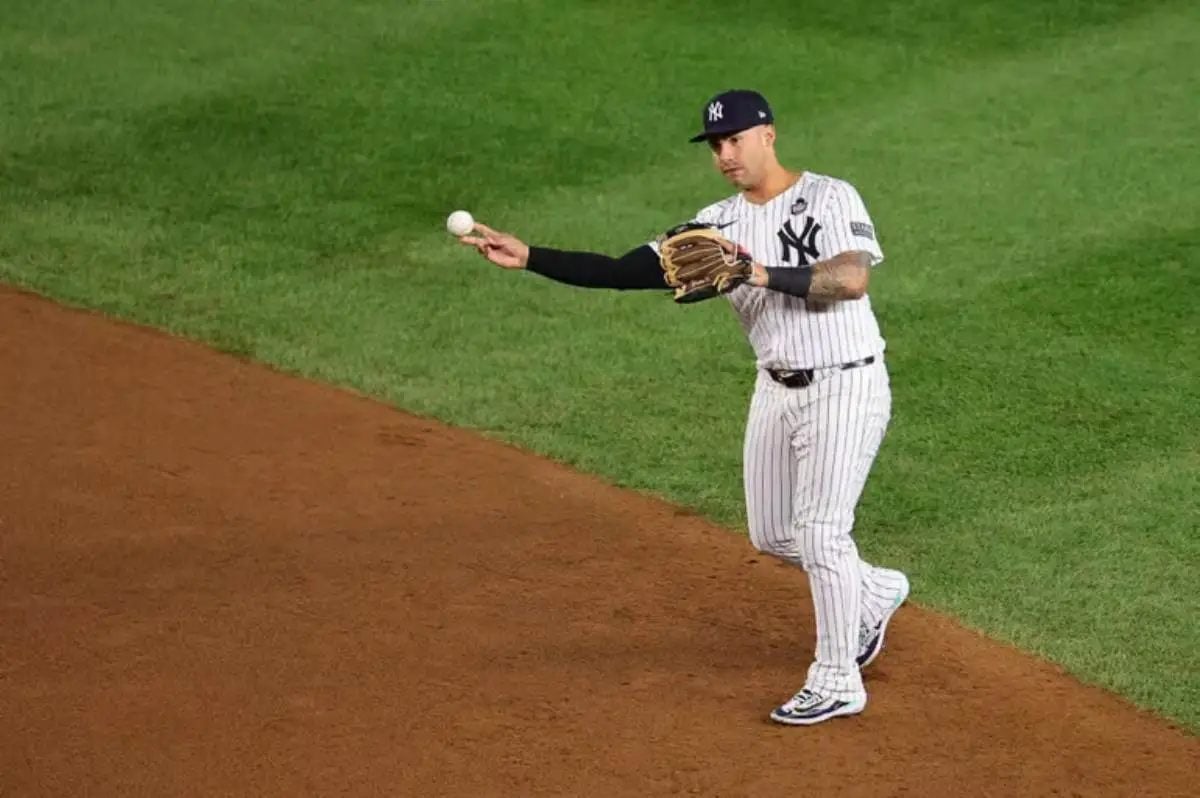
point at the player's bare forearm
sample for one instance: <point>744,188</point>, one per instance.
<point>841,277</point>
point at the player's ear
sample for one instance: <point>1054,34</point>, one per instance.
<point>768,135</point>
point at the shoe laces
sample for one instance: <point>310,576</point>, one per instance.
<point>805,697</point>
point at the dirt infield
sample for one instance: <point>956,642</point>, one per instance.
<point>220,580</point>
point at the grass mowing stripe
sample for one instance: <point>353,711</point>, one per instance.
<point>284,206</point>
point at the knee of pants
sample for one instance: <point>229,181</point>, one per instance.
<point>811,540</point>
<point>781,544</point>
<point>822,542</point>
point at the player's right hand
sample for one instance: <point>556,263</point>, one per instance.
<point>502,249</point>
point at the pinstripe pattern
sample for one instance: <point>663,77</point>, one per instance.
<point>808,451</point>
<point>787,331</point>
<point>806,459</point>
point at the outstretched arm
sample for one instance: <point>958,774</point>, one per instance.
<point>638,268</point>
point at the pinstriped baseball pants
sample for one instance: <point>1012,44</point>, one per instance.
<point>807,455</point>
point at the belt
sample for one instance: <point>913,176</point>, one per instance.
<point>803,378</point>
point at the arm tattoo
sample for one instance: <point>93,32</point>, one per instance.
<point>840,277</point>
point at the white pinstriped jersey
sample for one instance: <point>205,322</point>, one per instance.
<point>816,218</point>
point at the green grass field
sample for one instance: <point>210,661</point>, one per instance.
<point>272,177</point>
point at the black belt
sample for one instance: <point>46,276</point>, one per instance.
<point>804,377</point>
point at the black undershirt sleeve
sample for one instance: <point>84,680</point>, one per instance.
<point>637,269</point>
<point>790,281</point>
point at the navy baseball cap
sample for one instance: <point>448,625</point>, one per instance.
<point>734,110</point>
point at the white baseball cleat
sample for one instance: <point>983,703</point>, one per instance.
<point>870,639</point>
<point>807,708</point>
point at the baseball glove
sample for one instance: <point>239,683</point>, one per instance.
<point>700,264</point>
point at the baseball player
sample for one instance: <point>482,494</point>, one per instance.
<point>822,397</point>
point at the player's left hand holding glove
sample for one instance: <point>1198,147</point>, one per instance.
<point>700,264</point>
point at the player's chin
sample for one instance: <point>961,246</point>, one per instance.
<point>736,176</point>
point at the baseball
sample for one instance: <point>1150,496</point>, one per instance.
<point>460,223</point>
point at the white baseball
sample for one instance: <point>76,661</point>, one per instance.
<point>460,223</point>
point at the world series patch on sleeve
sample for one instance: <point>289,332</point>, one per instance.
<point>863,230</point>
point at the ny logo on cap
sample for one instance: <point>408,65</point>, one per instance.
<point>715,112</point>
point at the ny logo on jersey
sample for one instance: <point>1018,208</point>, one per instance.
<point>804,245</point>
<point>715,112</point>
